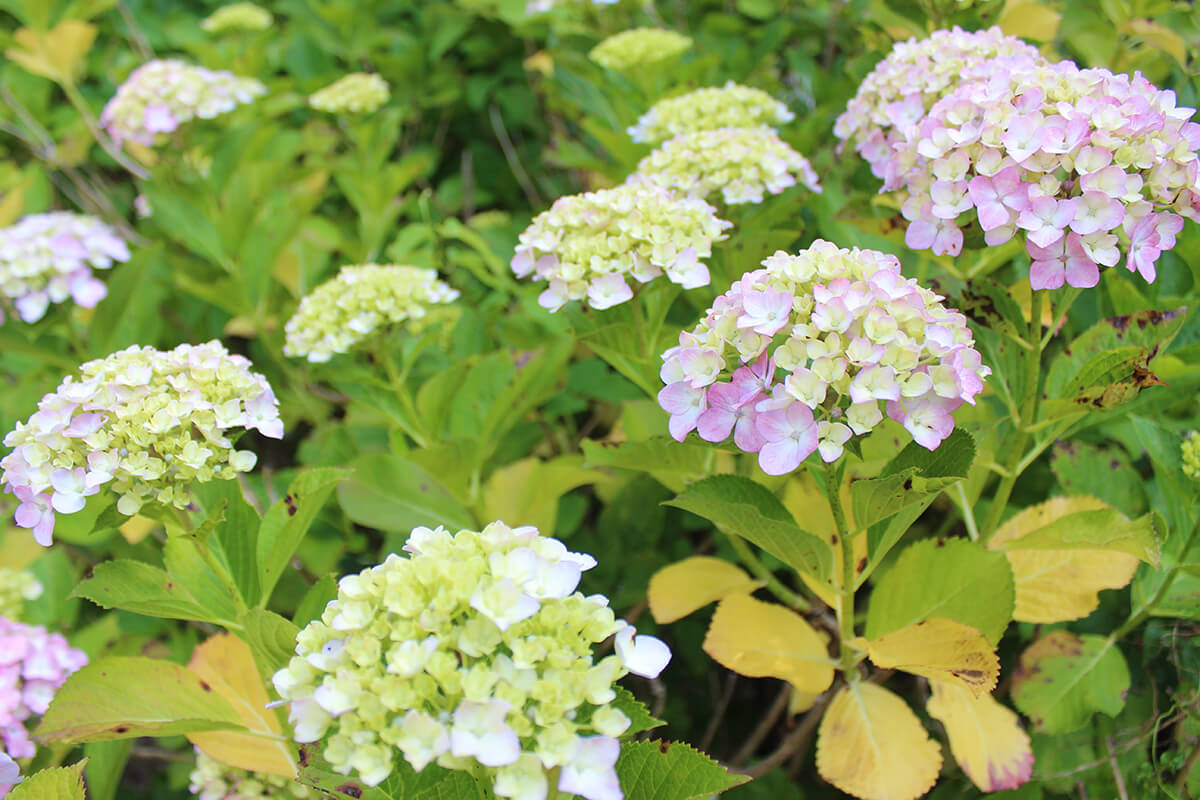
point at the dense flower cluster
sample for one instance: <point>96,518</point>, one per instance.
<point>356,93</point>
<point>639,47</point>
<point>809,347</point>
<point>237,17</point>
<point>343,311</point>
<point>740,163</point>
<point>586,244</point>
<point>161,95</point>
<point>17,586</point>
<point>1190,455</point>
<point>147,423</point>
<point>1090,166</point>
<point>212,780</point>
<point>730,106</point>
<point>475,652</point>
<point>46,258</point>
<point>33,664</point>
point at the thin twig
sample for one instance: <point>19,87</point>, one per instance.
<point>714,724</point>
<point>514,163</point>
<point>795,741</point>
<point>748,748</point>
<point>1116,768</point>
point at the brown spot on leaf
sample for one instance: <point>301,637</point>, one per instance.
<point>204,685</point>
<point>908,484</point>
<point>350,790</point>
<point>663,746</point>
<point>861,565</point>
<point>121,729</point>
<point>290,502</point>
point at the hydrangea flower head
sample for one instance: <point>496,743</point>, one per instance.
<point>237,17</point>
<point>161,95</point>
<point>46,258</point>
<point>33,664</point>
<point>16,587</point>
<point>212,780</point>
<point>639,47</point>
<point>740,163</point>
<point>474,652</point>
<point>800,356</point>
<point>728,106</point>
<point>587,245</point>
<point>356,93</point>
<point>343,311</point>
<point>148,424</point>
<point>1189,453</point>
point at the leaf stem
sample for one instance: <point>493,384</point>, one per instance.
<point>845,606</point>
<point>760,571</point>
<point>399,388</point>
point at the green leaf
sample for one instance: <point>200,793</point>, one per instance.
<point>1064,679</point>
<point>315,599</point>
<point>671,771</point>
<point>141,588</point>
<point>672,464</point>
<point>1098,529</point>
<point>272,639</point>
<point>288,520</point>
<point>741,507</point>
<point>526,492</point>
<point>55,783</point>
<point>233,538</point>
<point>105,766</point>
<point>186,224</point>
<point>186,566</point>
<point>391,494</point>
<point>952,578</point>
<point>122,698</point>
<point>1102,472</point>
<point>640,718</point>
<point>431,783</point>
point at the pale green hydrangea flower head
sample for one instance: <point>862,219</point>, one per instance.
<point>476,653</point>
<point>237,17</point>
<point>740,163</point>
<point>639,47</point>
<point>17,587</point>
<point>356,93</point>
<point>729,106</point>
<point>344,311</point>
<point>1190,452</point>
<point>212,780</point>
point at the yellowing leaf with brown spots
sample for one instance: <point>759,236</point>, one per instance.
<point>685,586</point>
<point>985,737</point>
<point>765,640</point>
<point>226,664</point>
<point>871,745</point>
<point>942,650</point>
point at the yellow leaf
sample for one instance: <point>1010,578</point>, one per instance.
<point>18,549</point>
<point>685,586</point>
<point>1158,37</point>
<point>12,204</point>
<point>137,528</point>
<point>56,54</point>
<point>1022,292</point>
<point>985,737</point>
<point>226,664</point>
<point>940,649</point>
<point>803,498</point>
<point>763,640</point>
<point>1029,19</point>
<point>799,702</point>
<point>872,745</point>
<point>526,492</point>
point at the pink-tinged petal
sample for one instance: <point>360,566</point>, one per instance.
<point>1045,237</point>
<point>1047,274</point>
<point>87,292</point>
<point>715,424</point>
<point>1083,273</point>
<point>993,215</point>
<point>781,457</point>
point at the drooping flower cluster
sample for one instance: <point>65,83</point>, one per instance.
<point>1189,453</point>
<point>474,653</point>
<point>740,163</point>
<point>343,311</point>
<point>356,93</point>
<point>797,357</point>
<point>161,95</point>
<point>237,17</point>
<point>146,423</point>
<point>33,664</point>
<point>586,244</point>
<point>1091,167</point>
<point>17,586</point>
<point>730,106</point>
<point>212,780</point>
<point>46,258</point>
<point>639,47</point>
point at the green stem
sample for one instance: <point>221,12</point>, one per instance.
<point>76,99</point>
<point>760,571</point>
<point>968,514</point>
<point>218,568</point>
<point>1139,616</point>
<point>400,390</point>
<point>845,606</point>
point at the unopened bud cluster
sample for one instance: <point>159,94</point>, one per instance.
<point>16,587</point>
<point>147,424</point>
<point>344,311</point>
<point>1190,455</point>
<point>639,47</point>
<point>46,258</point>
<point>356,93</point>
<point>799,356</point>
<point>730,106</point>
<point>237,17</point>
<point>212,780</point>
<point>474,653</point>
<point>33,664</point>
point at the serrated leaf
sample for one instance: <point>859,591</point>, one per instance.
<point>685,586</point>
<point>762,640</point>
<point>1064,679</point>
<point>55,783</point>
<point>985,737</point>
<point>431,783</point>
<point>640,718</point>
<point>287,521</point>
<point>671,771</point>
<point>942,650</point>
<point>1081,523</point>
<point>141,588</point>
<point>394,495</point>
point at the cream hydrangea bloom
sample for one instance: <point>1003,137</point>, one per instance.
<point>212,780</point>
<point>1190,454</point>
<point>356,93</point>
<point>729,106</point>
<point>639,47</point>
<point>16,587</point>
<point>344,311</point>
<point>237,17</point>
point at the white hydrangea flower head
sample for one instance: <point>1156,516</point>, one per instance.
<point>212,780</point>
<point>46,258</point>
<point>356,93</point>
<point>740,163</point>
<point>17,587</point>
<point>475,652</point>
<point>237,17</point>
<point>145,423</point>
<point>799,356</point>
<point>728,106</point>
<point>587,245</point>
<point>351,307</point>
<point>161,95</point>
<point>639,47</point>
<point>34,663</point>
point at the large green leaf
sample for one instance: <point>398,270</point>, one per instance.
<point>143,589</point>
<point>392,494</point>
<point>1064,679</point>
<point>272,639</point>
<point>431,783</point>
<point>234,538</point>
<point>671,771</point>
<point>55,783</point>
<point>105,767</point>
<point>1098,529</point>
<point>288,520</point>
<point>672,464</point>
<point>1102,472</point>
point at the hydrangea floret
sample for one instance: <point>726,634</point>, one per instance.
<point>799,356</point>
<point>639,47</point>
<point>728,106</point>
<point>46,258</point>
<point>356,93</point>
<point>148,424</point>
<point>237,17</point>
<point>344,311</point>
<point>212,780</point>
<point>17,587</point>
<point>1189,453</point>
<point>161,95</point>
<point>740,163</point>
<point>10,773</point>
<point>586,245</point>
<point>33,664</point>
<point>476,653</point>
